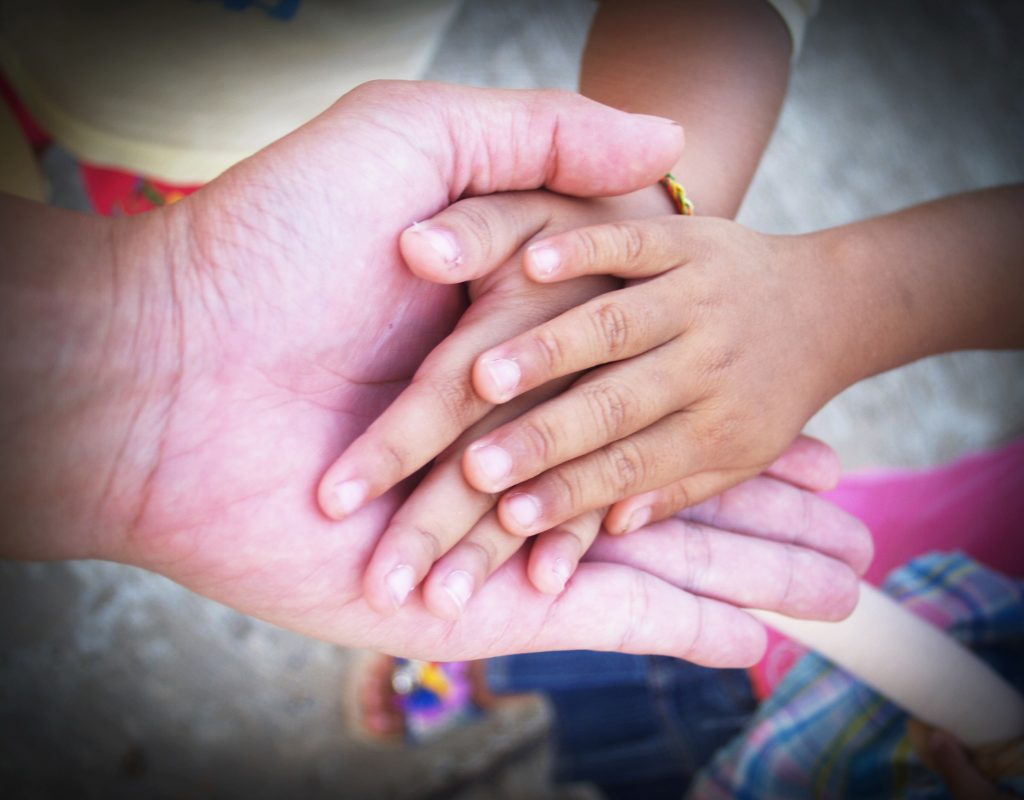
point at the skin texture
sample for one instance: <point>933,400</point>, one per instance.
<point>175,384</point>
<point>735,56</point>
<point>714,393</point>
<point>426,529</point>
<point>720,348</point>
<point>718,67</point>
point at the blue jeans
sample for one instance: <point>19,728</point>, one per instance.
<point>635,726</point>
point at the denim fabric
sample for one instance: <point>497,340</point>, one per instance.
<point>636,726</point>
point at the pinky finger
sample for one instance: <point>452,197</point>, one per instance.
<point>639,510</point>
<point>556,553</point>
<point>809,463</point>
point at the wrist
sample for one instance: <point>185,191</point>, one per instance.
<point>857,314</point>
<point>86,301</point>
<point>827,329</point>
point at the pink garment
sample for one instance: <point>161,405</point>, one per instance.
<point>974,505</point>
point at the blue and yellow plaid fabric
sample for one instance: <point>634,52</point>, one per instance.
<point>823,734</point>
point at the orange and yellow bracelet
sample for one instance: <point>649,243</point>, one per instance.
<point>678,194</point>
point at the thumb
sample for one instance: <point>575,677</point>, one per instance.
<point>493,140</point>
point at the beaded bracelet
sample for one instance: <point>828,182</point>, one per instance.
<point>678,194</point>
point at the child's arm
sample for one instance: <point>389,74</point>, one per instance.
<point>718,358</point>
<point>718,67</point>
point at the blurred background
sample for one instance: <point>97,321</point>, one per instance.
<point>116,682</point>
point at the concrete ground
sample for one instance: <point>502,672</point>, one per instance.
<point>119,683</point>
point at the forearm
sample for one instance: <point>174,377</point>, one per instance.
<point>76,390</point>
<point>943,276</point>
<point>718,67</point>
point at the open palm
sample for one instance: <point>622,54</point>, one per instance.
<point>295,324</point>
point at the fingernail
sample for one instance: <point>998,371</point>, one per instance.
<point>562,569</point>
<point>459,585</point>
<point>494,462</point>
<point>524,509</point>
<point>400,582</point>
<point>638,519</point>
<point>505,375</point>
<point>349,496</point>
<point>545,260</point>
<point>444,243</point>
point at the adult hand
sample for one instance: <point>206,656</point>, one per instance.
<point>435,410</point>
<point>274,324</point>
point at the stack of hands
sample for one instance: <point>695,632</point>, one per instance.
<point>302,322</point>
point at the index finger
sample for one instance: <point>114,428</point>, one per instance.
<point>628,249</point>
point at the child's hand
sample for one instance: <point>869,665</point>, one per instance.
<point>715,356</point>
<point>435,410</point>
<point>440,405</point>
<point>447,520</point>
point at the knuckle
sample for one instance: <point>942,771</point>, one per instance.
<point>611,407</point>
<point>566,491</point>
<point>548,345</point>
<point>541,439</point>
<point>705,301</point>
<point>714,366</point>
<point>626,468</point>
<point>483,551</point>
<point>721,434</point>
<point>583,529</point>
<point>612,327</point>
<point>631,245</point>
<point>722,360</point>
<point>579,539</point>
<point>675,499</point>
<point>680,498</point>
<point>395,459</point>
<point>586,246</point>
<point>423,537</point>
<point>470,219</point>
<point>454,396</point>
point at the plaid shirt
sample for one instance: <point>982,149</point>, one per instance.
<point>823,734</point>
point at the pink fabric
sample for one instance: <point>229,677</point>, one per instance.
<point>975,505</point>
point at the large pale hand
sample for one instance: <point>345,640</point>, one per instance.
<point>295,324</point>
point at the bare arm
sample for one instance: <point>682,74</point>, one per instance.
<point>782,324</point>
<point>718,67</point>
<point>942,276</point>
<point>81,358</point>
